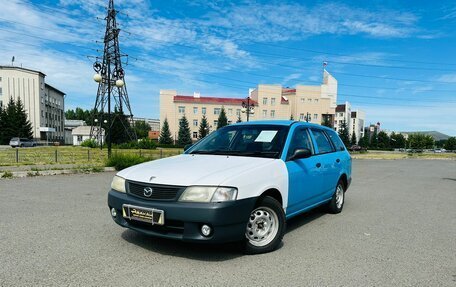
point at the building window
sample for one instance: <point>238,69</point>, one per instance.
<point>273,101</point>
<point>303,100</point>
<point>265,101</point>
<point>341,114</point>
<point>316,100</point>
<point>195,110</point>
<point>301,117</point>
<point>195,123</point>
<point>203,110</point>
<point>0,79</point>
<point>230,122</point>
<point>272,113</point>
<point>230,112</point>
<point>309,100</point>
<point>79,138</point>
<point>181,110</point>
<point>315,116</point>
<point>195,135</point>
<point>215,123</point>
<point>216,111</point>
<point>238,112</point>
<point>265,113</point>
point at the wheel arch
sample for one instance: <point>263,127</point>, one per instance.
<point>343,177</point>
<point>272,192</point>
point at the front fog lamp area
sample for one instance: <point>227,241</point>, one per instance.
<point>208,194</point>
<point>118,184</point>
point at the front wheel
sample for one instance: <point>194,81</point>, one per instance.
<point>265,227</point>
<point>337,202</point>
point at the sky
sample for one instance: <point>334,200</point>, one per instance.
<point>393,60</point>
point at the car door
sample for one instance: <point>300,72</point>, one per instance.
<point>327,157</point>
<point>304,176</point>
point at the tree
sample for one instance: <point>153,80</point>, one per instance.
<point>222,119</point>
<point>383,140</point>
<point>326,122</point>
<point>450,143</point>
<point>343,134</point>
<point>203,128</point>
<point>14,122</point>
<point>165,134</point>
<point>142,129</point>
<point>364,141</point>
<point>397,140</point>
<point>183,137</point>
<point>239,120</point>
<point>374,140</point>
<point>353,139</point>
<point>119,125</point>
<point>420,141</point>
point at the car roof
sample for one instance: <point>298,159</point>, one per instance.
<point>282,123</point>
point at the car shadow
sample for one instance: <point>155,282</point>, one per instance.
<point>195,251</point>
<point>305,218</point>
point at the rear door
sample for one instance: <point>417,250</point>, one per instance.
<point>327,158</point>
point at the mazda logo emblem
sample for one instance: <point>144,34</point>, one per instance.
<point>148,191</point>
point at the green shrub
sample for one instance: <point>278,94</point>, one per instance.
<point>92,143</point>
<point>7,174</point>
<point>146,144</point>
<point>121,161</point>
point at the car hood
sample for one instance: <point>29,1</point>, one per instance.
<point>188,170</point>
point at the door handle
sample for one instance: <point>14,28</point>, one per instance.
<point>318,164</point>
<point>337,160</point>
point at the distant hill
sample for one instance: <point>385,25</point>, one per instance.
<point>436,135</point>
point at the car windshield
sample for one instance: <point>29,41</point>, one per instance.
<point>14,139</point>
<point>244,140</point>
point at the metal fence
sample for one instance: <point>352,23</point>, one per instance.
<point>64,155</point>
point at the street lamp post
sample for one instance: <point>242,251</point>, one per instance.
<point>248,108</point>
<point>109,77</point>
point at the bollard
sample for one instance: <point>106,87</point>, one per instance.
<point>140,154</point>
<point>88,155</point>
<point>55,155</point>
<point>17,155</point>
<point>161,153</point>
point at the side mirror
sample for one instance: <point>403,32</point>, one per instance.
<point>186,147</point>
<point>301,153</point>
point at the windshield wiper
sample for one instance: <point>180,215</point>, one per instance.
<point>216,152</point>
<point>260,153</point>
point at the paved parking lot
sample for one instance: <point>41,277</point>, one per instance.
<point>398,228</point>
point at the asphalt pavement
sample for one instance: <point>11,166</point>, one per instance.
<point>398,228</point>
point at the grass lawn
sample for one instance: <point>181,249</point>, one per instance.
<point>73,155</point>
<point>402,155</point>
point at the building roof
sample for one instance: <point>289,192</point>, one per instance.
<point>55,89</point>
<point>83,131</point>
<point>211,100</point>
<point>288,91</point>
<point>20,68</point>
<point>340,108</point>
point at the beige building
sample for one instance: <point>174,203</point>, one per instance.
<point>311,103</point>
<point>43,103</point>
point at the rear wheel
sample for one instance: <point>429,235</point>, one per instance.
<point>337,202</point>
<point>265,227</point>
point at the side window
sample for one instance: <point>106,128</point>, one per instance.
<point>300,140</point>
<point>324,146</point>
<point>336,140</point>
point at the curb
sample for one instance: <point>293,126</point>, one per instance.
<point>31,173</point>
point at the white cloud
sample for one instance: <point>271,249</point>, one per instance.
<point>449,78</point>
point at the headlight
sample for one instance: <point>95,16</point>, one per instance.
<point>118,184</point>
<point>208,194</point>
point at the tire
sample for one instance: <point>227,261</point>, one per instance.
<point>269,218</point>
<point>337,202</point>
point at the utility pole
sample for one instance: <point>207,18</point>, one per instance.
<point>110,77</point>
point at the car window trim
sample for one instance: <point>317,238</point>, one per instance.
<point>305,129</point>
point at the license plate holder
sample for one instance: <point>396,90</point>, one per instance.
<point>143,214</point>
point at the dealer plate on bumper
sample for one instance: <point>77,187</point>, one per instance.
<point>143,214</point>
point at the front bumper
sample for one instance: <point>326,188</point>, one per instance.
<point>183,220</point>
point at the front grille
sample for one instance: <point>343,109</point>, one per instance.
<point>160,192</point>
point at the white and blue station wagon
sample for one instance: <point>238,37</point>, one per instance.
<point>240,183</point>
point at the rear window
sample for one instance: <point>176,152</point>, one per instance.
<point>324,146</point>
<point>336,140</point>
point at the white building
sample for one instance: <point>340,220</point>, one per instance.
<point>153,123</point>
<point>43,103</point>
<point>82,133</point>
<point>354,119</point>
